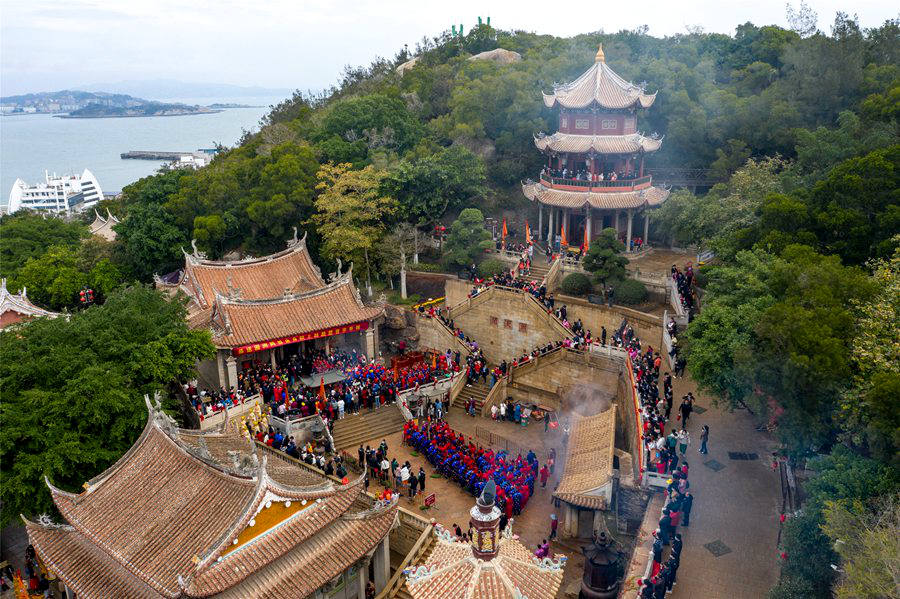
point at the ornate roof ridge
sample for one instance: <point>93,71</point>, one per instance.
<point>338,282</point>
<point>599,71</point>
<point>293,246</point>
<point>20,302</point>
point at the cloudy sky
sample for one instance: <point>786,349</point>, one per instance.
<point>47,45</point>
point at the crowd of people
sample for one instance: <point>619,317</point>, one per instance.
<point>684,285</point>
<point>583,174</point>
<point>471,465</point>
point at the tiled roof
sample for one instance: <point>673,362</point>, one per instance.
<point>20,303</point>
<point>589,460</point>
<point>602,144</point>
<point>256,278</point>
<point>453,572</point>
<point>103,227</point>
<point>309,565</point>
<point>651,196</point>
<point>241,322</point>
<point>66,551</point>
<point>600,86</point>
<point>185,512</point>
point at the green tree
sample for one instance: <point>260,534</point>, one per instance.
<point>352,213</point>
<point>55,278</point>
<point>73,387</point>
<point>468,239</point>
<point>427,187</point>
<point>603,259</point>
<point>149,242</point>
<point>867,537</point>
<point>26,235</point>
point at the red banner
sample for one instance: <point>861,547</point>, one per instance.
<point>320,334</point>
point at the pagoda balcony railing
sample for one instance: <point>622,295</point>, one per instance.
<point>596,186</point>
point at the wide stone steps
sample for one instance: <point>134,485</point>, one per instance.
<point>477,391</point>
<point>351,431</point>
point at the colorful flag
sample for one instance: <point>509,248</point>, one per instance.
<point>586,242</point>
<point>503,234</point>
<point>322,387</point>
<point>563,241</point>
<point>527,233</point>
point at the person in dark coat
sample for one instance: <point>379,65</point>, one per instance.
<point>646,588</point>
<point>672,566</point>
<point>676,545</point>
<point>665,526</point>
<point>421,479</point>
<point>686,408</point>
<point>687,503</point>
<point>657,553</point>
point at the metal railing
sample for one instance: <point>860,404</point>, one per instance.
<point>597,186</point>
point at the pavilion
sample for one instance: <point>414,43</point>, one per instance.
<point>263,308</point>
<point>16,307</point>
<point>594,177</point>
<point>185,513</point>
<point>586,487</point>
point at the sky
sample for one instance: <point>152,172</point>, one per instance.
<point>48,45</point>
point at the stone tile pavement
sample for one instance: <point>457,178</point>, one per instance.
<point>730,547</point>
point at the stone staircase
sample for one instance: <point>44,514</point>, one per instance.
<point>539,267</point>
<point>367,425</point>
<point>424,554</point>
<point>478,391</point>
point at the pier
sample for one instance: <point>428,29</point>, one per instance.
<point>147,155</point>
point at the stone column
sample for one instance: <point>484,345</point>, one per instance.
<point>616,224</point>
<point>628,235</point>
<point>231,364</point>
<point>646,225</point>
<point>550,227</point>
<point>369,343</point>
<point>272,359</point>
<point>382,559</point>
<point>362,579</point>
<point>540,220</point>
<point>220,363</point>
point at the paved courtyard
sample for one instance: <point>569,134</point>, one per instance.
<point>730,547</point>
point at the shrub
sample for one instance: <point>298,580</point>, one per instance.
<point>425,267</point>
<point>576,284</point>
<point>491,267</point>
<point>629,292</point>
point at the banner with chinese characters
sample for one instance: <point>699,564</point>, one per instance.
<point>320,334</point>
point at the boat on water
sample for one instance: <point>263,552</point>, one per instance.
<point>57,194</point>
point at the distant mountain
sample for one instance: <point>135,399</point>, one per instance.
<point>82,104</point>
<point>171,88</point>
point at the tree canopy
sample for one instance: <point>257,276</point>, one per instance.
<point>468,239</point>
<point>73,387</point>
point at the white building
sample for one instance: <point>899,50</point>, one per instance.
<point>69,193</point>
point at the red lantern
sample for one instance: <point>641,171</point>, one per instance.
<point>344,481</point>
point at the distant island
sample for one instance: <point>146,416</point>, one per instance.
<point>75,104</point>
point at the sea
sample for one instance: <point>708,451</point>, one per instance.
<point>33,143</point>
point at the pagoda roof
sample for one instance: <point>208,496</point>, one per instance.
<point>238,321</point>
<point>170,520</point>
<point>290,270</point>
<point>644,198</point>
<point>589,461</point>
<point>20,304</point>
<point>103,227</point>
<point>599,86</point>
<point>453,572</point>
<point>600,144</point>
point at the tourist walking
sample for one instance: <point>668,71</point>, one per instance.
<point>554,523</point>
<point>684,440</point>
<point>685,408</point>
<point>704,439</point>
<point>545,474</point>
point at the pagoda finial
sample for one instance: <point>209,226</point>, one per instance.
<point>600,57</point>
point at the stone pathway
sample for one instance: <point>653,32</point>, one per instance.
<point>730,547</point>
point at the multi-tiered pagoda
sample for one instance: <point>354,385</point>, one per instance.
<point>594,177</point>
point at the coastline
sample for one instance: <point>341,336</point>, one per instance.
<point>136,116</point>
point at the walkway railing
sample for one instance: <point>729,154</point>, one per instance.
<point>397,581</point>
<point>596,186</point>
<point>213,420</point>
<point>667,341</point>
